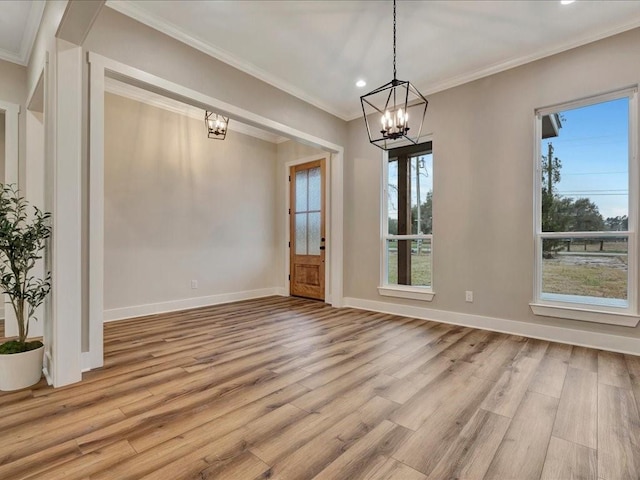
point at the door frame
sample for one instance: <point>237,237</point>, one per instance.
<point>11,112</point>
<point>328,293</point>
<point>101,67</point>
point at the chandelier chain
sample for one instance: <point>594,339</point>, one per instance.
<point>394,39</point>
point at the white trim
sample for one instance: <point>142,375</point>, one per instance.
<point>144,16</point>
<point>66,270</point>
<point>144,96</point>
<point>101,66</point>
<point>594,234</point>
<point>31,30</point>
<point>11,126</point>
<point>11,119</point>
<point>587,101</point>
<point>537,206</point>
<point>327,206</point>
<point>96,216</point>
<point>385,288</point>
<point>585,313</point>
<point>552,305</point>
<point>604,341</point>
<point>29,33</point>
<point>45,367</point>
<point>116,314</point>
<point>407,291</point>
<point>634,208</point>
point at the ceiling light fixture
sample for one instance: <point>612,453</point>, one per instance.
<point>566,2</point>
<point>216,125</point>
<point>392,102</point>
<point>361,83</point>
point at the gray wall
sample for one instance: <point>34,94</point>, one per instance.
<point>483,153</point>
<point>483,182</point>
<point>121,38</point>
<point>13,79</point>
<point>179,206</point>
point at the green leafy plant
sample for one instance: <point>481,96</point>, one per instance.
<point>22,239</point>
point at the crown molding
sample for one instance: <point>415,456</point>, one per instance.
<point>149,98</point>
<point>160,24</point>
<point>31,30</point>
<point>28,36</point>
<point>168,28</point>
<point>12,57</point>
<point>458,80</point>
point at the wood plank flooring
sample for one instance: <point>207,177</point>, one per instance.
<point>286,388</point>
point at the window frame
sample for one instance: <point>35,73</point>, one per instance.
<point>413,292</point>
<point>550,304</point>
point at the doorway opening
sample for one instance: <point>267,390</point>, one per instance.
<point>307,244</point>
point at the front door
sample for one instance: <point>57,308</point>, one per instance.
<point>307,218</point>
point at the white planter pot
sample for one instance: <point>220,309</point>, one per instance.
<point>20,370</point>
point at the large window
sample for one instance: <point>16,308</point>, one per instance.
<point>586,205</point>
<point>407,222</point>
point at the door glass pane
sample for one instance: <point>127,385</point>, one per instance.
<point>301,233</point>
<point>314,233</point>
<point>315,189</point>
<point>301,191</point>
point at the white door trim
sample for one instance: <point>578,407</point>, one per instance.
<point>99,68</point>
<point>11,139</point>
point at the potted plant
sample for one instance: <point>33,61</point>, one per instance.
<point>22,239</point>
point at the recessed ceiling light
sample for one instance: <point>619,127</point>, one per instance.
<point>566,2</point>
<point>361,83</point>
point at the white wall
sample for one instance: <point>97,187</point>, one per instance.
<point>34,184</point>
<point>13,90</point>
<point>182,207</point>
<point>483,144</point>
<point>2,124</point>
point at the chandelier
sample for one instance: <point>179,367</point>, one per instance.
<point>389,107</point>
<point>216,125</point>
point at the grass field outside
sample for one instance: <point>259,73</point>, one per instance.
<point>595,273</point>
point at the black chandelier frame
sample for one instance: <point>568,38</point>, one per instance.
<point>393,101</point>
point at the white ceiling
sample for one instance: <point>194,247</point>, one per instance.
<point>19,22</point>
<point>316,50</point>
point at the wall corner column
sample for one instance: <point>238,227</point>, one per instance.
<point>67,210</point>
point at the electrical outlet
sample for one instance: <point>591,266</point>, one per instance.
<point>468,296</point>
<point>194,284</point>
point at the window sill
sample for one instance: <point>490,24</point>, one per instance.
<point>586,314</point>
<point>412,293</point>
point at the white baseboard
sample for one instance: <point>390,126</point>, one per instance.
<point>45,368</point>
<point>175,305</point>
<point>603,341</point>
<point>281,291</point>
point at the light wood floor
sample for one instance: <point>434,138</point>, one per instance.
<point>292,389</point>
